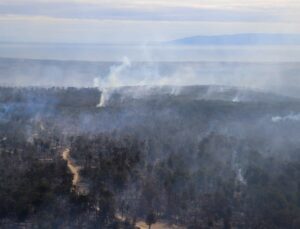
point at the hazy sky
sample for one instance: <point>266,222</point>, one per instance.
<point>142,21</point>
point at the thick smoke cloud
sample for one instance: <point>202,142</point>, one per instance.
<point>275,77</point>
<point>278,78</point>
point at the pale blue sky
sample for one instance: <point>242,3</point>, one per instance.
<point>141,21</point>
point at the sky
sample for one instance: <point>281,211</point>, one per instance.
<point>141,21</point>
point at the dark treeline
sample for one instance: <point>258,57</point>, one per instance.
<point>53,95</point>
<point>190,162</point>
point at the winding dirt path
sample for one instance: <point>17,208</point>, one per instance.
<point>72,166</point>
<point>80,187</point>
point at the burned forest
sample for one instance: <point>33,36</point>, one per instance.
<point>180,157</point>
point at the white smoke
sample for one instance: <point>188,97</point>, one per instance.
<point>96,82</point>
<point>151,74</point>
<point>118,77</point>
<point>238,170</point>
<point>236,99</point>
<point>104,92</point>
<point>290,117</point>
<point>113,80</point>
<point>240,178</point>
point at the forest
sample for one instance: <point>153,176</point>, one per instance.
<point>188,157</point>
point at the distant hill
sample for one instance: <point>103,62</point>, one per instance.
<point>123,95</point>
<point>240,39</point>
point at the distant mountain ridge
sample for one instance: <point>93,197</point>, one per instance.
<point>240,39</point>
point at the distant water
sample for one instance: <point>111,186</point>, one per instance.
<point>151,53</point>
